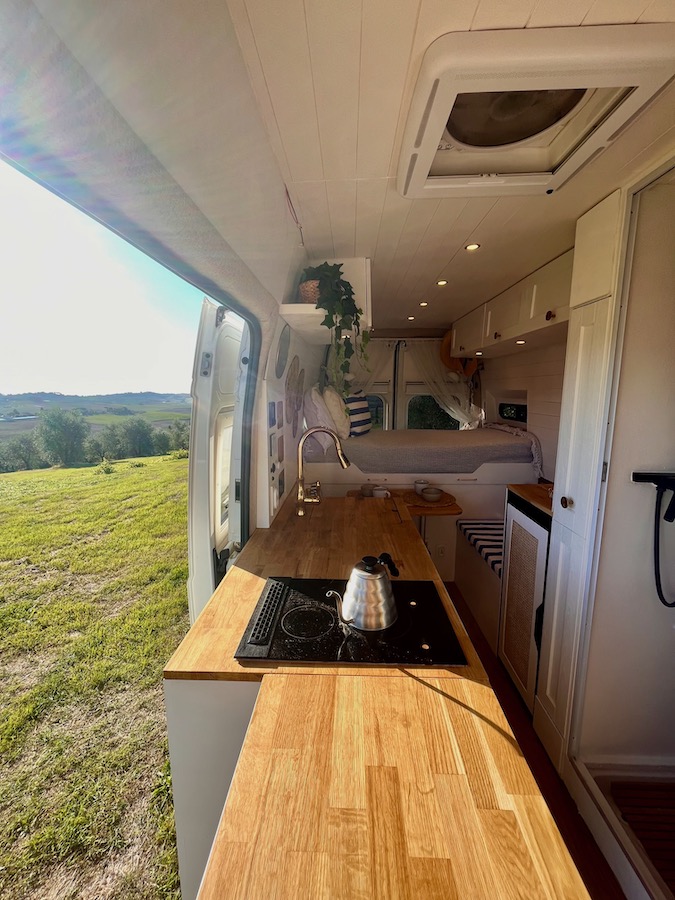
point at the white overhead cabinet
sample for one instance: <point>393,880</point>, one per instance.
<point>467,333</point>
<point>531,310</point>
<point>583,424</point>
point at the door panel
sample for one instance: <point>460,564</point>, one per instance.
<point>583,420</point>
<point>218,384</point>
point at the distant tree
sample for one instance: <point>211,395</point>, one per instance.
<point>162,442</point>
<point>8,462</point>
<point>113,441</point>
<point>61,435</point>
<point>138,437</point>
<point>93,450</point>
<point>180,434</point>
<point>26,452</point>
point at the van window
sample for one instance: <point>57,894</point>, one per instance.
<point>513,412</point>
<point>377,407</point>
<point>424,412</point>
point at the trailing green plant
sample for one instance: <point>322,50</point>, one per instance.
<point>343,318</point>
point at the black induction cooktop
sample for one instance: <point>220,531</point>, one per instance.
<point>295,621</point>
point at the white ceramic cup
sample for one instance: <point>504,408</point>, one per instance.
<point>380,492</point>
<point>420,484</point>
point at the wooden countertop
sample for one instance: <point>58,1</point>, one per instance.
<point>536,494</point>
<point>326,542</point>
<point>357,787</point>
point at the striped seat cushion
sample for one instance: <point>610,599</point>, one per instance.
<point>359,414</point>
<point>487,536</point>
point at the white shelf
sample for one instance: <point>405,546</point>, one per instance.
<point>306,319</point>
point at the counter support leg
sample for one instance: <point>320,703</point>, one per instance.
<point>207,722</point>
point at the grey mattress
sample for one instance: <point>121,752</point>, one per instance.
<point>427,452</point>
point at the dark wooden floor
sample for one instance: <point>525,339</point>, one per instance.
<point>594,869</point>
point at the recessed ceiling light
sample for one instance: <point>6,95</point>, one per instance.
<point>424,303</point>
<point>472,247</point>
<point>479,352</point>
<point>411,318</point>
<point>520,342</point>
<point>441,283</point>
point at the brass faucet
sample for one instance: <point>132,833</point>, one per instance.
<point>312,493</point>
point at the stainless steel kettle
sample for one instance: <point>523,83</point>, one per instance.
<point>368,603</point>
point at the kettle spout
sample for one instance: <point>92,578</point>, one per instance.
<point>338,603</point>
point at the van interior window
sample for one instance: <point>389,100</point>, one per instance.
<point>424,412</point>
<point>513,412</point>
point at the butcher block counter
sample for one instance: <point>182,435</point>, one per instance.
<point>352,781</point>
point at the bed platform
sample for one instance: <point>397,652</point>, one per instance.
<point>429,452</point>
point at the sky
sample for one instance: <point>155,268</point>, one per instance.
<point>81,311</point>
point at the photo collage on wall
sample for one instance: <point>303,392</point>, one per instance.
<point>284,414</point>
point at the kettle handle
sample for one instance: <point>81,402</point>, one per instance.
<point>389,562</point>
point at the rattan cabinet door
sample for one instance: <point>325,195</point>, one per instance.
<point>525,552</point>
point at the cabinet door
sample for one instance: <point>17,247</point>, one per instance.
<point>583,414</point>
<point>526,545</point>
<point>502,313</point>
<point>563,604</point>
<point>549,300</point>
<point>467,333</point>
<point>596,246</point>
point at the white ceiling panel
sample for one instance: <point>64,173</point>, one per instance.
<point>310,200</point>
<point>387,35</point>
<point>616,12</point>
<point>333,84</point>
<point>342,206</point>
<point>659,11</point>
<point>280,32</point>
<point>554,14</point>
<point>370,196</point>
<point>495,14</point>
<point>335,50</point>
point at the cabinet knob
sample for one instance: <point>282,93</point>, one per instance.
<point>461,347</point>
<point>496,335</point>
<point>550,315</point>
<point>566,502</point>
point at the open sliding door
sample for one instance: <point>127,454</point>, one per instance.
<point>216,449</point>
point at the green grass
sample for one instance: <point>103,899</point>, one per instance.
<point>93,576</point>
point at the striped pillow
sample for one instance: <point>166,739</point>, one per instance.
<point>359,414</point>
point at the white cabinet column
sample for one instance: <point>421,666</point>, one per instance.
<point>583,429</point>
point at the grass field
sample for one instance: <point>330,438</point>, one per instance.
<point>93,575</point>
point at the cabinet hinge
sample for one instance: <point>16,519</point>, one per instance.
<point>604,471</point>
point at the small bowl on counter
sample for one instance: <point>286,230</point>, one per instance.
<point>432,494</point>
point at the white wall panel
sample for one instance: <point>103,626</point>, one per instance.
<point>540,373</point>
<point>630,685</point>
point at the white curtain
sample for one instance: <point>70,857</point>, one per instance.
<point>364,376</point>
<point>450,390</point>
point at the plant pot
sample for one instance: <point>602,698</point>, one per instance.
<point>308,292</point>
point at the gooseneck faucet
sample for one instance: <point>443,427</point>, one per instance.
<point>312,493</point>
